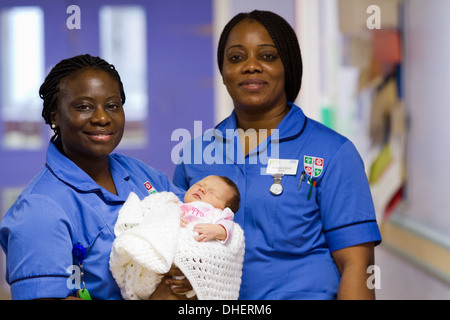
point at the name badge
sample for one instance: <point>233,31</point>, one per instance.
<point>282,167</point>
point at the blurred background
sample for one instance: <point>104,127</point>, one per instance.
<point>374,70</point>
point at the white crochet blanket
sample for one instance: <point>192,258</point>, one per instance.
<point>149,239</point>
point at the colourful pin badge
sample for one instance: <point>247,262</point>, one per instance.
<point>149,187</point>
<point>313,166</point>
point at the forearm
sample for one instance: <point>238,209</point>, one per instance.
<point>353,285</point>
<point>210,231</point>
<point>352,263</point>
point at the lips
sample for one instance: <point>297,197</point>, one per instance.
<point>196,195</point>
<point>99,136</point>
<point>253,85</point>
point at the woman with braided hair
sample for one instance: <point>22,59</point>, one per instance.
<point>58,234</point>
<point>306,208</point>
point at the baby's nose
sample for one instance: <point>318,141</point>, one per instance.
<point>202,190</point>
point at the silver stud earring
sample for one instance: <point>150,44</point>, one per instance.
<point>53,126</point>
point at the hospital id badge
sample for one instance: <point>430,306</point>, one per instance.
<point>282,167</point>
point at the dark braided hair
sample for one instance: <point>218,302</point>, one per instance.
<point>285,41</point>
<point>49,89</point>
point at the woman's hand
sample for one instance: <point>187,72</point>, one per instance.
<point>173,286</point>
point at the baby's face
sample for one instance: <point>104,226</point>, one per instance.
<point>212,190</point>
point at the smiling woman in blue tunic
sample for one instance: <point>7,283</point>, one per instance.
<point>306,208</point>
<point>58,235</point>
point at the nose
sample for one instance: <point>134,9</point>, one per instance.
<point>202,190</point>
<point>252,65</point>
<point>100,116</point>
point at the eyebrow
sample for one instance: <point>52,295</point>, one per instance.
<point>240,46</point>
<point>92,98</point>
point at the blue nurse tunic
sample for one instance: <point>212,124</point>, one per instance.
<point>62,206</point>
<point>289,237</point>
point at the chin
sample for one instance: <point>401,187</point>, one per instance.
<point>102,151</point>
<point>254,107</point>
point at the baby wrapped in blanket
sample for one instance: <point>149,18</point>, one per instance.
<point>150,238</point>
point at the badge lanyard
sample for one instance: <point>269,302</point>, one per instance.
<point>79,252</point>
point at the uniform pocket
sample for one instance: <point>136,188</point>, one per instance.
<point>297,224</point>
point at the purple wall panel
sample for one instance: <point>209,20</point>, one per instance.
<point>180,73</point>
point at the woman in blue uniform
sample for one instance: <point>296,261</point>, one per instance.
<point>58,234</point>
<point>306,207</point>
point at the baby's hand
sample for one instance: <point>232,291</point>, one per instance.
<point>209,232</point>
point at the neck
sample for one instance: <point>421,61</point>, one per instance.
<point>98,169</point>
<point>257,121</point>
<point>100,172</point>
<point>255,128</point>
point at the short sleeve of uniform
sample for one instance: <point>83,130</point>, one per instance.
<point>179,177</point>
<point>347,209</point>
<point>39,249</point>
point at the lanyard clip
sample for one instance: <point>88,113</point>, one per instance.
<point>276,188</point>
